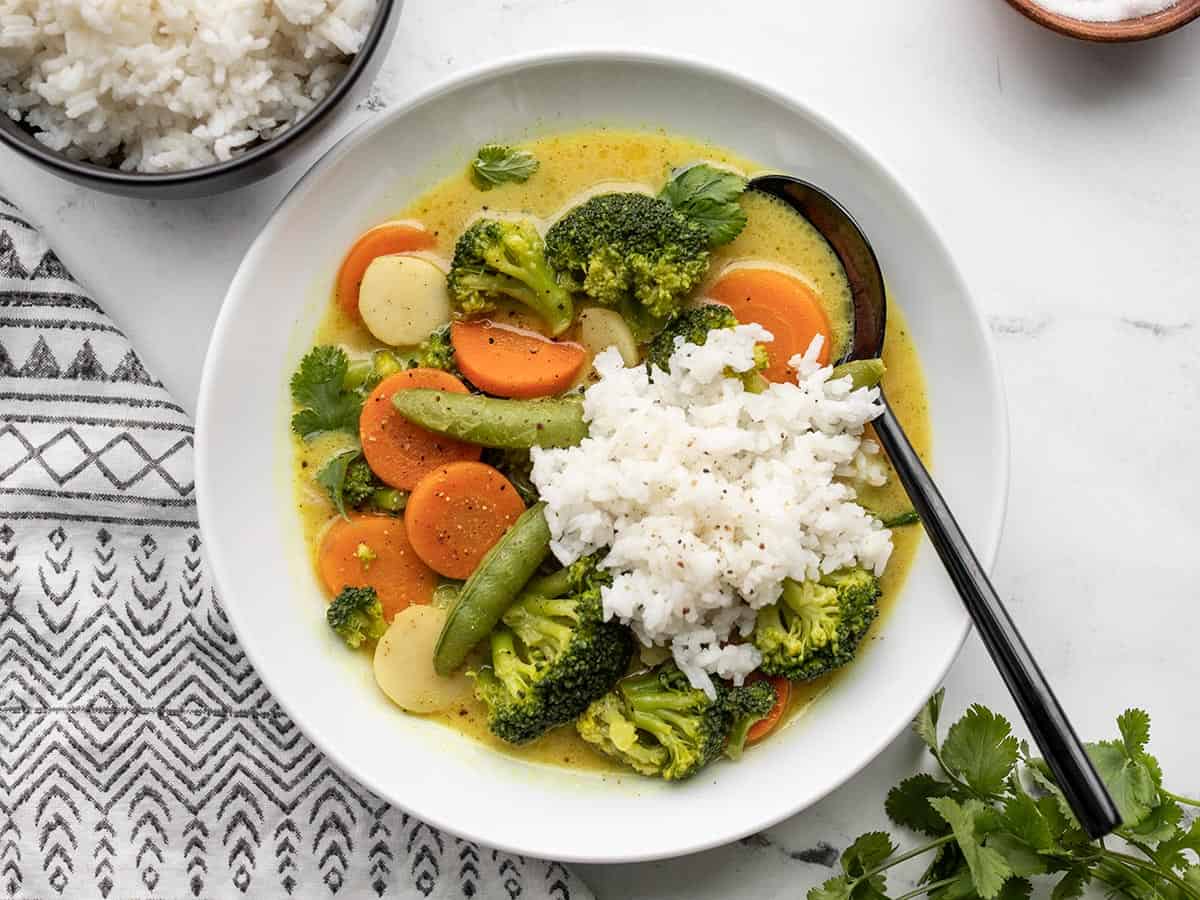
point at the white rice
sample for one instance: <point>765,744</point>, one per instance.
<point>708,496</point>
<point>168,85</point>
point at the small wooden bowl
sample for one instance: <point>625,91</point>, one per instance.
<point>1139,29</point>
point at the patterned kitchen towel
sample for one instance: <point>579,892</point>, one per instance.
<point>140,755</point>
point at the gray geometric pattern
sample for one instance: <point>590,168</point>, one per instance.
<point>140,754</point>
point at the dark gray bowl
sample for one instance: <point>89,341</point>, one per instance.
<point>254,164</point>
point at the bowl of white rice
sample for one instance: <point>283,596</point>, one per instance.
<point>181,97</point>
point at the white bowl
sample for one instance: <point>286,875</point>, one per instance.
<point>254,541</point>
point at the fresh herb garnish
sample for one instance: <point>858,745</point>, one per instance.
<point>496,164</point>
<point>996,819</point>
<point>709,196</point>
<point>319,389</point>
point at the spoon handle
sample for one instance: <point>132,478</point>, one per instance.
<point>1051,729</point>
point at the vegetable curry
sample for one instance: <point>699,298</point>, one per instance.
<point>419,486</point>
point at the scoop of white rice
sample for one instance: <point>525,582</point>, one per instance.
<point>167,85</point>
<point>708,496</point>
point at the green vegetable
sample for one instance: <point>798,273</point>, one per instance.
<point>350,482</point>
<point>996,819</point>
<point>494,259</point>
<point>492,588</point>
<point>550,658</point>
<point>816,627</point>
<point>746,705</point>
<point>692,326</point>
<point>908,517</point>
<point>862,372</point>
<point>515,465</point>
<point>632,252</point>
<point>657,724</point>
<point>318,389</point>
<point>582,575</point>
<point>491,422</point>
<point>356,615</point>
<point>499,163</point>
<point>709,196</point>
<point>436,352</point>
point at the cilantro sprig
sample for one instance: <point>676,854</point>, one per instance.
<point>496,164</point>
<point>709,196</point>
<point>995,819</point>
<point>320,391</point>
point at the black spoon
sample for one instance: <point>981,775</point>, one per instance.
<point>1051,729</point>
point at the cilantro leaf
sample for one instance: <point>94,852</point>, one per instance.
<point>989,869</point>
<point>1160,824</point>
<point>925,725</point>
<point>907,804</point>
<point>709,196</point>
<point>496,164</point>
<point>1021,858</point>
<point>836,888</point>
<point>1072,884</point>
<point>866,853</point>
<point>318,389</point>
<point>332,477</point>
<point>1134,725</point>
<point>1128,779</point>
<point>981,749</point>
<point>1170,852</point>
<point>1016,889</point>
<point>1025,820</point>
<point>1192,876</point>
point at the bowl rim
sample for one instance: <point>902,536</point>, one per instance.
<point>35,150</point>
<point>207,409</point>
<point>1138,28</point>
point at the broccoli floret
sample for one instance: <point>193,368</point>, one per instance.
<point>356,615</point>
<point>630,251</point>
<point>658,724</point>
<point>550,658</point>
<point>360,483</point>
<point>437,352</point>
<point>693,325</point>
<point>351,483</point>
<point>816,626</point>
<point>495,259</point>
<point>746,705</point>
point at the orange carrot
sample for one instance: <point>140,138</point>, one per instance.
<point>382,240</point>
<point>512,362</point>
<point>373,551</point>
<point>398,451</point>
<point>783,693</point>
<point>456,513</point>
<point>783,305</point>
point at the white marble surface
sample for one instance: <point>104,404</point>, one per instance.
<point>1064,177</point>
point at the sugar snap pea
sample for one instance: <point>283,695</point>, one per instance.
<point>491,589</point>
<point>489,422</point>
<point>863,372</point>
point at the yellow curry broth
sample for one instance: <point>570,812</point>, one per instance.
<point>571,165</point>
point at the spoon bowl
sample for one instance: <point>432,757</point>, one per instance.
<point>1051,729</point>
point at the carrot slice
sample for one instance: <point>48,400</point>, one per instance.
<point>374,551</point>
<point>782,304</point>
<point>382,240</point>
<point>457,512</point>
<point>783,694</point>
<point>511,362</point>
<point>398,451</point>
